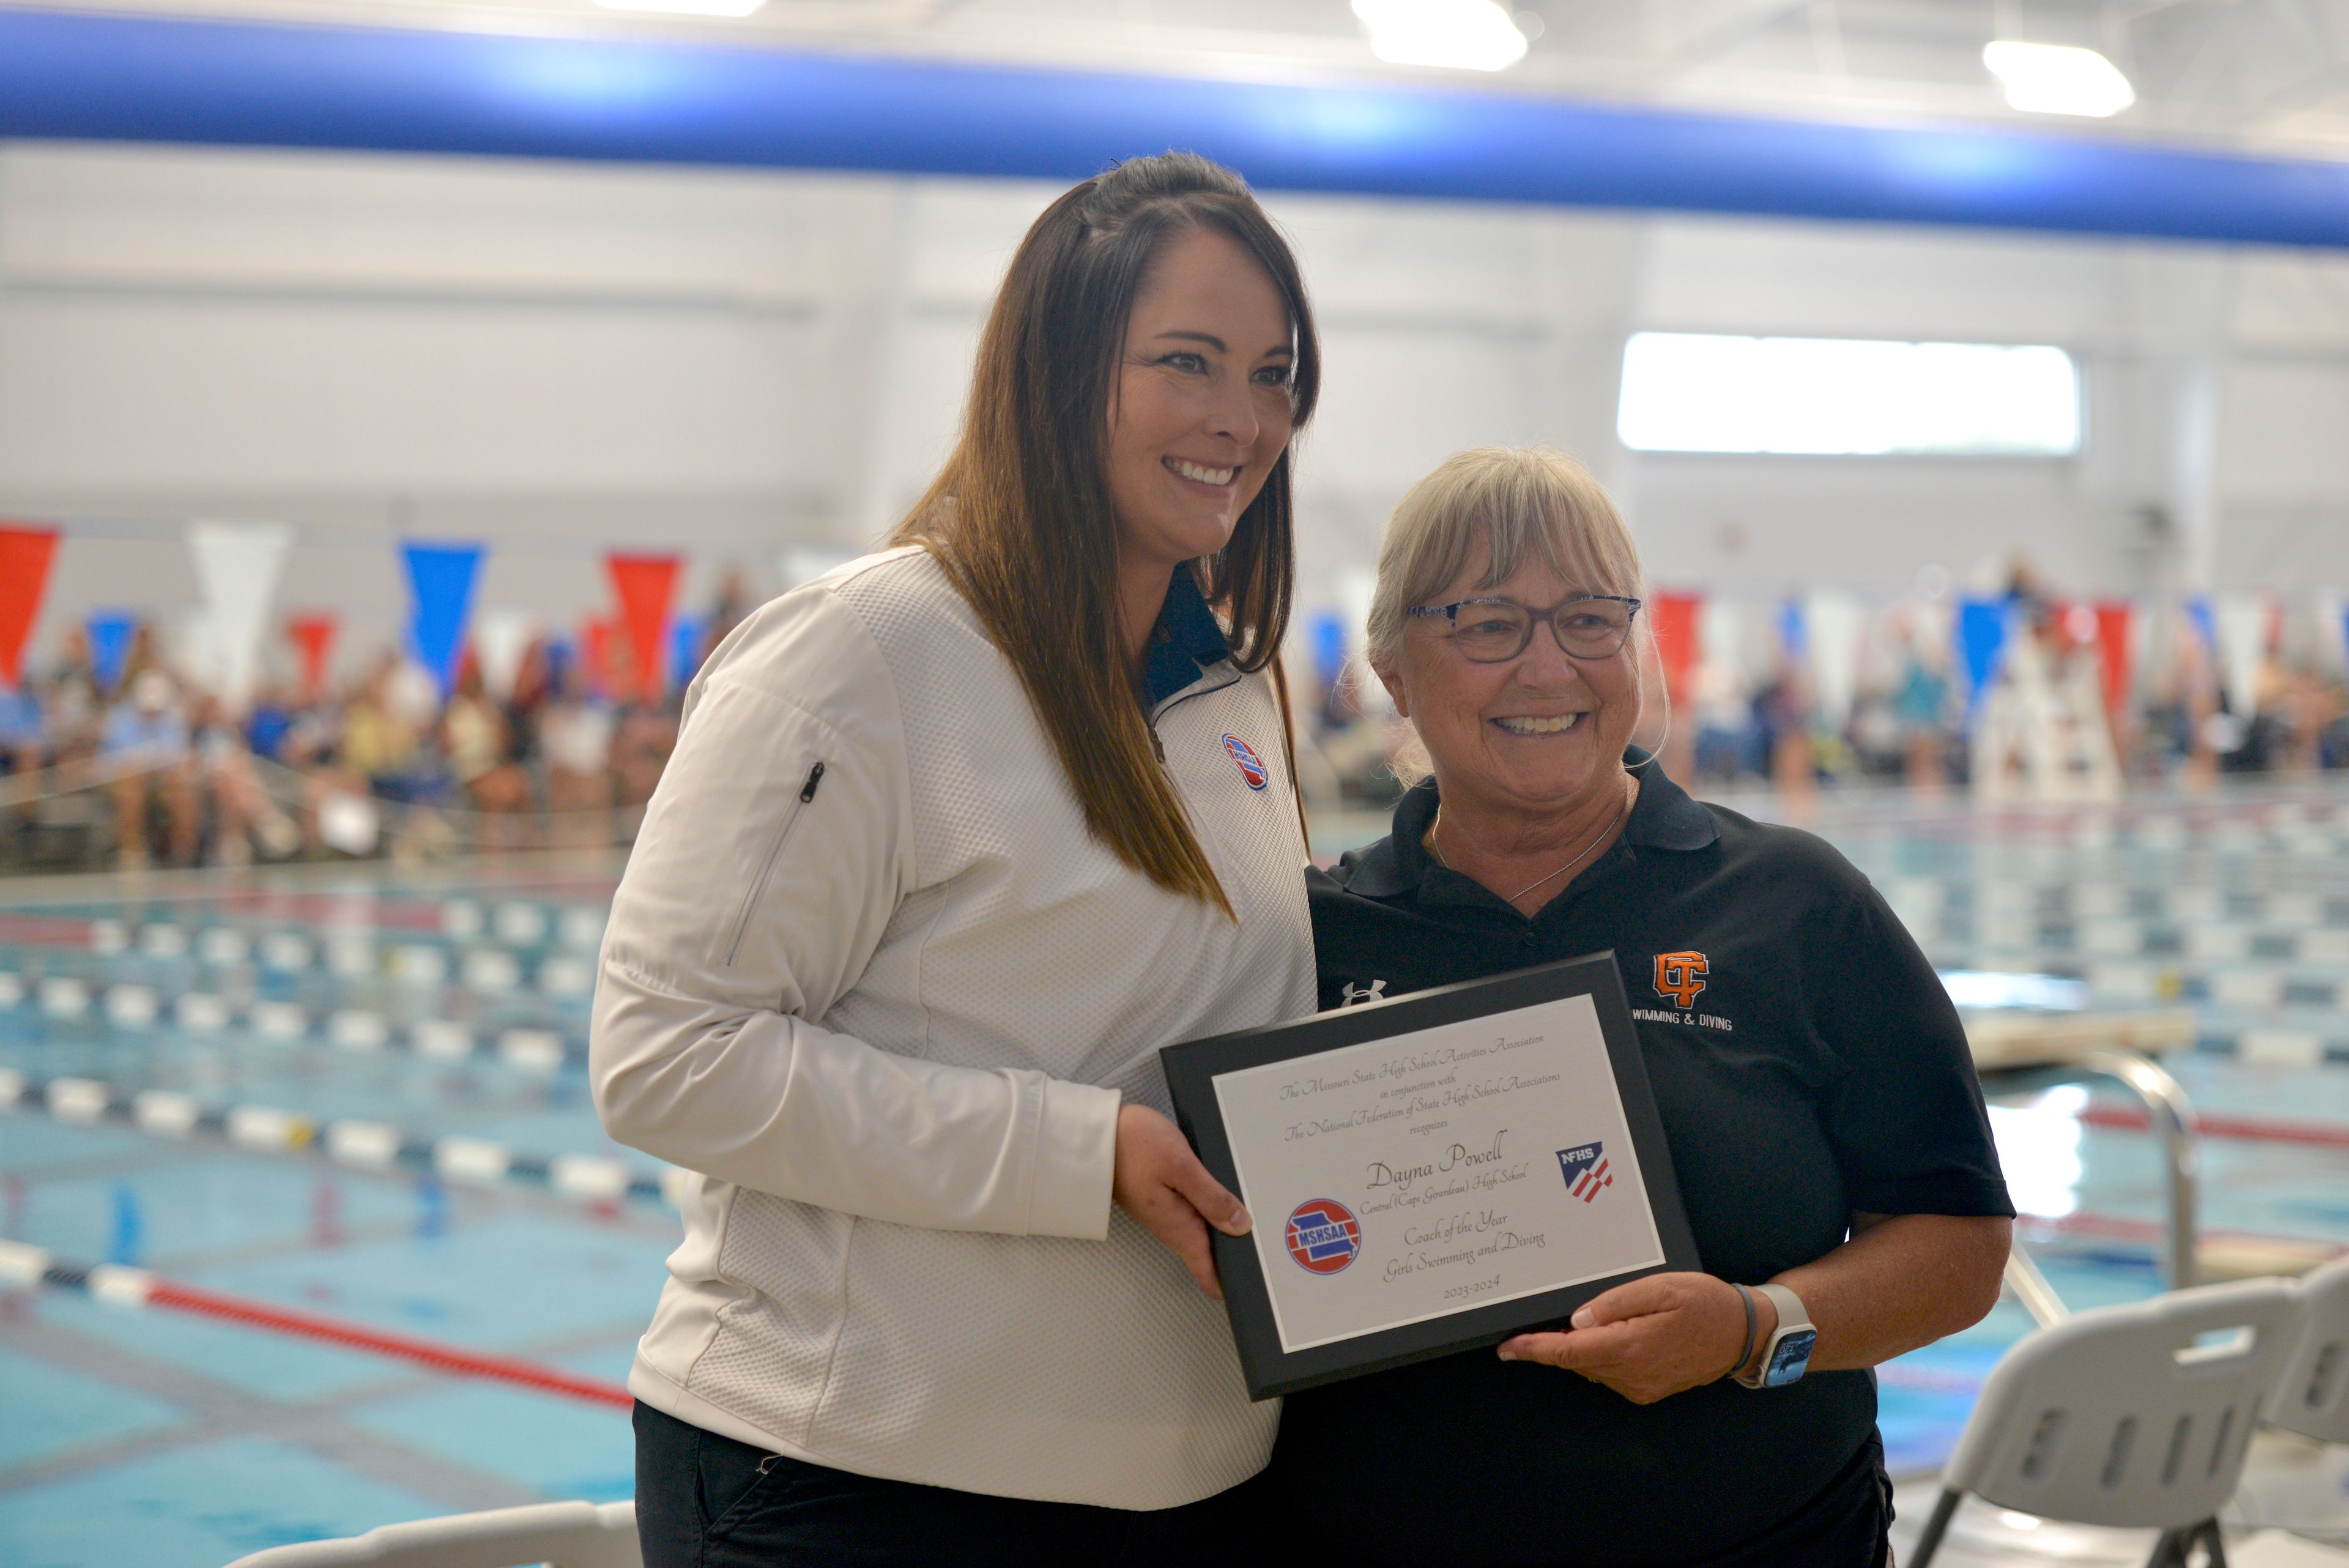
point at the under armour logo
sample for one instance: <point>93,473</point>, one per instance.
<point>1375,991</point>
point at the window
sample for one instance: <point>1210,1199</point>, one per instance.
<point>1696,392</point>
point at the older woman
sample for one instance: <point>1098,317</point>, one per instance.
<point>1814,1083</point>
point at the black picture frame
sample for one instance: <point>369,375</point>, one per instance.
<point>1193,1066</point>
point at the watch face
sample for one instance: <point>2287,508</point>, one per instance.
<point>1790,1360</point>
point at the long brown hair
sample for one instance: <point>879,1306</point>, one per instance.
<point>1020,515</point>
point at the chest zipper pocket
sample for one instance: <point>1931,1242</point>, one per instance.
<point>767,866</point>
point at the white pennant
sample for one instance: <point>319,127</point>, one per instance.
<point>1834,623</point>
<point>237,568</point>
<point>501,635</point>
<point>1721,646</point>
<point>2243,649</point>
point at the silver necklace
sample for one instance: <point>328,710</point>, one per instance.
<point>1623,810</point>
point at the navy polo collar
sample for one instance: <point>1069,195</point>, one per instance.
<point>1187,639</point>
<point>1663,817</point>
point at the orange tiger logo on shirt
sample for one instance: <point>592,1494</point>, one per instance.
<point>1681,976</point>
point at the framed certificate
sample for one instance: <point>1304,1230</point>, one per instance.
<point>1431,1173</point>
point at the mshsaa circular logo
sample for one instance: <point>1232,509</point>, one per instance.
<point>1322,1236</point>
<point>1244,756</point>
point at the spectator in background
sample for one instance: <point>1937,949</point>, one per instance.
<point>76,710</point>
<point>23,729</point>
<point>1782,718</point>
<point>242,809</point>
<point>733,603</point>
<point>270,720</point>
<point>534,688</point>
<point>147,736</point>
<point>575,732</point>
<point>377,743</point>
<point>1720,727</point>
<point>474,732</point>
<point>640,750</point>
<point>1921,705</point>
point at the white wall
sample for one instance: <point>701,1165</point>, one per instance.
<point>557,359</point>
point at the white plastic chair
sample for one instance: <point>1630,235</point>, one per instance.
<point>2135,1417</point>
<point>557,1535</point>
<point>2312,1395</point>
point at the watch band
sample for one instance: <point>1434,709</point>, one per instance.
<point>1792,1313</point>
<point>1792,1318</point>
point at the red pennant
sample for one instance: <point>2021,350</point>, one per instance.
<point>1673,618</point>
<point>2112,618</point>
<point>24,557</point>
<point>313,635</point>
<point>645,584</point>
<point>596,655</point>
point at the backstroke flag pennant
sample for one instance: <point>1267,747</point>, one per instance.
<point>501,635</point>
<point>26,554</point>
<point>1982,638</point>
<point>684,649</point>
<point>1794,632</point>
<point>313,636</point>
<point>110,632</point>
<point>2242,628</point>
<point>1325,633</point>
<point>1672,619</point>
<point>440,585</point>
<point>595,656</point>
<point>645,584</point>
<point>237,567</point>
<point>1836,625</point>
<point>2113,650</point>
<point>2205,622</point>
<point>1721,637</point>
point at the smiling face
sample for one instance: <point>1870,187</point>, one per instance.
<point>1201,410</point>
<point>1536,736</point>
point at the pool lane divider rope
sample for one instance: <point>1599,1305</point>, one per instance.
<point>119,1286</point>
<point>129,1006</point>
<point>348,1141</point>
<point>2249,1129</point>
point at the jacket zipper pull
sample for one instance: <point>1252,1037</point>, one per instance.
<point>815,777</point>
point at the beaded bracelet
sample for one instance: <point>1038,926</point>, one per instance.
<point>1747,1297</point>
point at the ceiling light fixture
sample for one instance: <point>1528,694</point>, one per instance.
<point>2057,79</point>
<point>1461,35</point>
<point>685,7</point>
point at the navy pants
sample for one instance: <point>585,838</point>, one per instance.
<point>708,1502</point>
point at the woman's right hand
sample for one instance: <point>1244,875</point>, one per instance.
<point>1169,1193</point>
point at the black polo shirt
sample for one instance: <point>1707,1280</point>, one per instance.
<point>1808,1065</point>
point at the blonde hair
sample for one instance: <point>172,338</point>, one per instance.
<point>1509,500</point>
<point>1512,500</point>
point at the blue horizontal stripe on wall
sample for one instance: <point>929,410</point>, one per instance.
<point>174,80</point>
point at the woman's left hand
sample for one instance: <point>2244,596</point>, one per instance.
<point>1652,1338</point>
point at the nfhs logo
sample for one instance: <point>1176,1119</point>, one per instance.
<point>1584,1168</point>
<point>1681,976</point>
<point>1322,1236</point>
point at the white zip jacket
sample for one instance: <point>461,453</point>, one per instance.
<point>869,976</point>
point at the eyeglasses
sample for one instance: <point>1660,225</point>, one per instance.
<point>1494,631</point>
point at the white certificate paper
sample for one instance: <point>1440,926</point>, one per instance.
<point>1429,1173</point>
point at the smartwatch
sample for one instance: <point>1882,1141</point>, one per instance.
<point>1787,1355</point>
